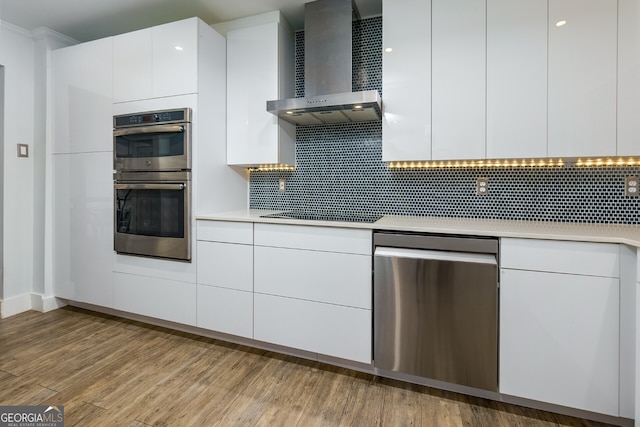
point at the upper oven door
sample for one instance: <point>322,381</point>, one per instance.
<point>161,147</point>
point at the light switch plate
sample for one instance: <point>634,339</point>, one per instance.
<point>23,150</point>
<point>282,185</point>
<point>631,186</point>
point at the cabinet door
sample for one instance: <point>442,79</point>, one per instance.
<point>82,98</point>
<point>329,277</point>
<point>406,79</point>
<point>628,81</point>
<point>582,78</point>
<point>559,339</point>
<point>329,329</point>
<point>132,66</point>
<point>83,227</point>
<point>516,78</point>
<point>253,134</point>
<point>458,79</point>
<point>175,58</point>
<point>225,265</point>
<point>154,297</point>
<point>225,310</point>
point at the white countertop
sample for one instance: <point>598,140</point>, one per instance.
<point>602,233</point>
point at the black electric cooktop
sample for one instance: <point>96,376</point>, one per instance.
<point>325,216</point>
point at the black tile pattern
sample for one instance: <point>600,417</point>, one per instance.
<point>340,168</point>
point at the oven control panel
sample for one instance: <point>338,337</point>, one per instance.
<point>153,117</point>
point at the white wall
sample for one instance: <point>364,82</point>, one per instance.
<point>26,61</point>
<point>1,175</point>
<point>17,56</point>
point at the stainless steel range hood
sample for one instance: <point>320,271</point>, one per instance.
<point>327,69</point>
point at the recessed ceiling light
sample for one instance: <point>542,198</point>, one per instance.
<point>388,49</point>
<point>178,47</point>
<point>289,112</point>
<point>561,23</point>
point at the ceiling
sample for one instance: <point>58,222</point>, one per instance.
<point>86,20</point>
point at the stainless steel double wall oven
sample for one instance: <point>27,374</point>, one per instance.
<point>152,184</point>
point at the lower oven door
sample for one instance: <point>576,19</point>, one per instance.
<point>153,218</point>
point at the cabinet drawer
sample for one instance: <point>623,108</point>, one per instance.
<point>224,231</point>
<point>328,329</point>
<point>590,259</point>
<point>225,310</point>
<point>329,277</point>
<point>160,298</point>
<point>227,265</point>
<point>346,240</point>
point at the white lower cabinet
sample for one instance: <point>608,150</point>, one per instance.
<point>328,277</point>
<point>313,289</point>
<point>560,331</point>
<point>225,310</point>
<point>154,297</point>
<point>328,329</point>
<point>225,277</point>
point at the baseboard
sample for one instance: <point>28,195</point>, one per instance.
<point>31,301</point>
<point>44,303</point>
<point>15,305</point>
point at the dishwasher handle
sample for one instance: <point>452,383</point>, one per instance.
<point>426,254</point>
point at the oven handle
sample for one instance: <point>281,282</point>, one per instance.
<point>148,186</point>
<point>149,129</point>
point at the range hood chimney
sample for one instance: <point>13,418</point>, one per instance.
<point>327,71</point>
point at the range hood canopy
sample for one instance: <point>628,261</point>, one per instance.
<point>328,71</point>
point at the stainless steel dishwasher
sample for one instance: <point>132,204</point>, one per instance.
<point>435,304</point>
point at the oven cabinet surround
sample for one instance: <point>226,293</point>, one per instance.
<point>82,101</point>
<point>225,277</point>
<point>263,43</point>
<point>561,324</point>
<point>312,289</point>
<point>515,77</point>
<point>82,207</point>
<point>158,61</point>
<point>83,227</point>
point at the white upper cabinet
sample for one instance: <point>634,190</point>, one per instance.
<point>260,67</point>
<point>132,66</point>
<point>406,123</point>
<point>458,79</point>
<point>628,77</point>
<point>175,58</point>
<point>156,62</point>
<point>516,78</point>
<point>582,77</point>
<point>82,98</point>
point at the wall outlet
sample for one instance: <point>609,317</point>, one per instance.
<point>482,186</point>
<point>282,185</point>
<point>631,186</point>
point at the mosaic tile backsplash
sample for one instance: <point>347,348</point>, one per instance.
<point>339,167</point>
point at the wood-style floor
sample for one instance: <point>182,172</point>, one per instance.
<point>108,371</point>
